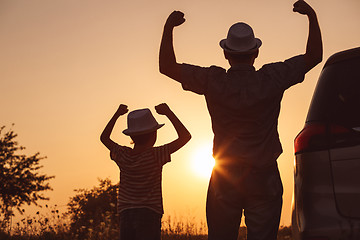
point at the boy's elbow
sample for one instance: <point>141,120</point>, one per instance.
<point>185,138</point>
<point>103,138</point>
<point>188,137</point>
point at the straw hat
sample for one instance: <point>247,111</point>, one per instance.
<point>140,122</point>
<point>240,39</point>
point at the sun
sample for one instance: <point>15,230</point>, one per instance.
<point>202,161</point>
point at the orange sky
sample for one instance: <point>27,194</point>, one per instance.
<point>66,65</point>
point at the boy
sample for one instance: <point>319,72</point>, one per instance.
<point>140,197</point>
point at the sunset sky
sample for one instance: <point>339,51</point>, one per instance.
<point>66,65</point>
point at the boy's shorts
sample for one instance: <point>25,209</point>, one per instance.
<point>140,224</point>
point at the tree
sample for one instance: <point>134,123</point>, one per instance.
<point>20,180</point>
<point>93,212</point>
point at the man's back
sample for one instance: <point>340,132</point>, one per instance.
<point>244,121</point>
<point>244,106</point>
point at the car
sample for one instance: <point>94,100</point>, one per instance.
<point>326,198</point>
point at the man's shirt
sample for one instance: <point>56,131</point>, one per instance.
<point>244,106</point>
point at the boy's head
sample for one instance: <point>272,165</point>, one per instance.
<point>147,139</point>
<point>142,126</point>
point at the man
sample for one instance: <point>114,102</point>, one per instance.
<point>244,106</point>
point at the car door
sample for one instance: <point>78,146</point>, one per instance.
<point>345,168</point>
<point>345,142</point>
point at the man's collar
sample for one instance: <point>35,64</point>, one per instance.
<point>242,67</point>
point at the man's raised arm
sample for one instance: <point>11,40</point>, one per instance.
<point>167,60</point>
<point>314,48</point>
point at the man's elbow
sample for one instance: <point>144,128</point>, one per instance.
<point>318,60</point>
<point>163,69</point>
<point>170,70</point>
<point>318,57</point>
<point>313,60</point>
<point>166,70</point>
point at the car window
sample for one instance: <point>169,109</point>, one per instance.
<point>337,95</point>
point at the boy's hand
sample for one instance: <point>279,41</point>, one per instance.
<point>162,109</point>
<point>176,18</point>
<point>303,8</point>
<point>122,110</point>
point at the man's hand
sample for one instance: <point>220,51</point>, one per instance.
<point>122,110</point>
<point>162,109</point>
<point>303,8</point>
<point>176,18</point>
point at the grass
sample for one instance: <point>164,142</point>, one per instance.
<point>55,226</point>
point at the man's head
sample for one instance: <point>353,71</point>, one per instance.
<point>240,44</point>
<point>235,59</point>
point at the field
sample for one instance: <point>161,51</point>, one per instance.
<point>284,234</point>
<point>53,227</point>
<point>92,215</point>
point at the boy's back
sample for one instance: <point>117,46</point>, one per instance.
<point>140,177</point>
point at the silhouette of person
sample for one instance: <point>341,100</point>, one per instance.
<point>244,106</point>
<point>139,201</point>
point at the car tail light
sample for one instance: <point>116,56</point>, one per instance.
<point>316,136</point>
<point>316,238</point>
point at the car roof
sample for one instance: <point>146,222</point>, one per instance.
<point>343,56</point>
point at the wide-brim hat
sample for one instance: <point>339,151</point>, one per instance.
<point>240,39</point>
<point>140,122</point>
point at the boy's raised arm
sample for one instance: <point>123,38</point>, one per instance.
<point>105,135</point>
<point>314,48</point>
<point>167,59</point>
<point>183,134</point>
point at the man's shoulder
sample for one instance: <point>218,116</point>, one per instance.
<point>298,59</point>
<point>187,66</point>
<point>285,73</point>
<point>196,79</point>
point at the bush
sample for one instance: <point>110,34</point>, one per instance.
<point>93,212</point>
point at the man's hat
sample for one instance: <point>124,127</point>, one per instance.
<point>240,40</point>
<point>140,122</point>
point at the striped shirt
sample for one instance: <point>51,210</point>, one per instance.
<point>140,177</point>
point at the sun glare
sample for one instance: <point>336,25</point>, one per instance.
<point>203,162</point>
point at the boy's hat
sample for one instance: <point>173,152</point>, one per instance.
<point>240,39</point>
<point>140,122</point>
